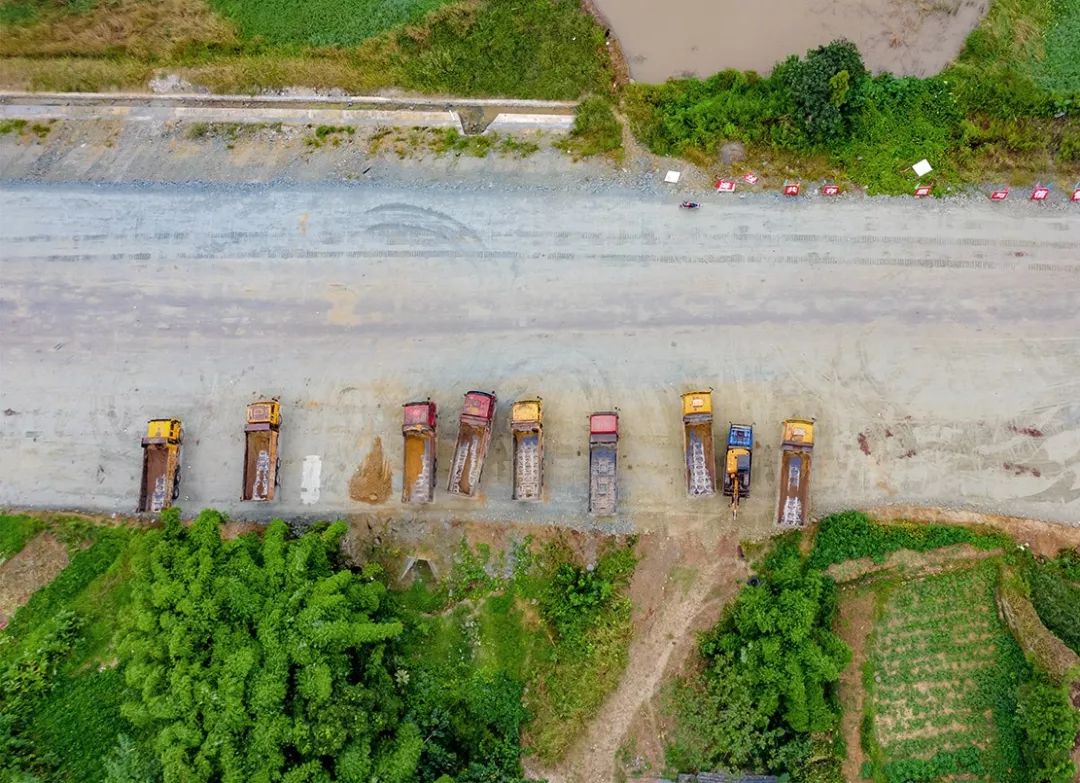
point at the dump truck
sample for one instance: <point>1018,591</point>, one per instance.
<point>737,463</point>
<point>603,461</point>
<point>261,450</point>
<point>793,508</point>
<point>698,443</point>
<point>418,431</point>
<point>474,435</point>
<point>161,464</point>
<point>527,428</point>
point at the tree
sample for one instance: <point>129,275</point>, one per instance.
<point>826,89</point>
<point>262,660</point>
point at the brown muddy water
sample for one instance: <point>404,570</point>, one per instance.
<point>700,37</point>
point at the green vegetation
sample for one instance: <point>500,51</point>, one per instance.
<point>448,141</point>
<point>521,48</point>
<point>765,697</point>
<point>852,535</point>
<point>15,531</point>
<point>272,658</point>
<point>1049,725</point>
<point>329,134</point>
<point>942,682</point>
<point>321,22</point>
<point>989,114</point>
<point>596,130</point>
<point>1055,593</point>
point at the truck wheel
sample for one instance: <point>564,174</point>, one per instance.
<point>277,472</point>
<point>176,485</point>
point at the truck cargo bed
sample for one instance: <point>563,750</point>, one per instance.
<point>469,453</point>
<point>793,508</point>
<point>700,458</point>
<point>418,482</point>
<point>528,467</point>
<point>603,463</point>
<point>260,464</point>
<point>158,476</point>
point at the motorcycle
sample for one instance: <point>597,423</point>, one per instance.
<point>690,205</point>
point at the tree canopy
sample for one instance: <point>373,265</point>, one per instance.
<point>261,660</point>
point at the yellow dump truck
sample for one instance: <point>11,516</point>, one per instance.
<point>161,464</point>
<point>793,508</point>
<point>527,427</point>
<point>700,456</point>
<point>261,460</point>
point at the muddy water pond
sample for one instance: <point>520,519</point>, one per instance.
<point>700,37</point>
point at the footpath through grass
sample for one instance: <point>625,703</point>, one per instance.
<point>548,49</point>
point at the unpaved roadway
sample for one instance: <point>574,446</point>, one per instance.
<point>938,345</point>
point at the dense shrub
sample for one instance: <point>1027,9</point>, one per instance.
<point>1049,724</point>
<point>596,130</point>
<point>852,535</point>
<point>14,533</point>
<point>1056,597</point>
<point>826,88</point>
<point>770,668</point>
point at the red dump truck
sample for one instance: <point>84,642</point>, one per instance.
<point>418,431</point>
<point>474,435</point>
<point>700,457</point>
<point>793,507</point>
<point>261,450</point>
<point>161,464</point>
<point>603,462</point>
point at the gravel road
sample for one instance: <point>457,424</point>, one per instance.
<point>938,345</point>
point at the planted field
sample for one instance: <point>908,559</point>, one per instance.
<point>941,678</point>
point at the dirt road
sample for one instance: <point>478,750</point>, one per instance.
<point>938,345</point>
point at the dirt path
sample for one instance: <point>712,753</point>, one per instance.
<point>32,567</point>
<point>856,621</point>
<point>680,587</point>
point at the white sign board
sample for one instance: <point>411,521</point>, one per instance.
<point>922,168</point>
<point>672,177</point>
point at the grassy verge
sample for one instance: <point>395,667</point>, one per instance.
<point>520,48</point>
<point>15,531</point>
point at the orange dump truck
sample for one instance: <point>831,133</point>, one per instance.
<point>603,463</point>
<point>261,450</point>
<point>474,435</point>
<point>527,427</point>
<point>700,456</point>
<point>793,508</point>
<point>161,464</point>
<point>418,431</point>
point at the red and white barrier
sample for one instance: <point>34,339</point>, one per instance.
<point>725,186</point>
<point>750,178</point>
<point>830,190</point>
<point>792,188</point>
<point>1000,194</point>
<point>1039,193</point>
<point>922,191</point>
<point>1076,193</point>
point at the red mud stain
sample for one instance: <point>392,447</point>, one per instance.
<point>908,454</point>
<point>888,433</point>
<point>1020,470</point>
<point>1031,432</point>
<point>864,446</point>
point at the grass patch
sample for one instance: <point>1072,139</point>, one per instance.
<point>853,535</point>
<point>515,48</point>
<point>321,22</point>
<point>596,130</point>
<point>15,531</point>
<point>1055,594</point>
<point>329,134</point>
<point>943,676</point>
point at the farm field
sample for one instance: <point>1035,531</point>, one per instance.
<point>941,681</point>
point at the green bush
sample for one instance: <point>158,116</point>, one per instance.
<point>1056,598</point>
<point>1049,724</point>
<point>826,88</point>
<point>852,535</point>
<point>770,669</point>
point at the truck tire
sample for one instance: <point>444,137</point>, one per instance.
<point>176,485</point>
<point>277,472</point>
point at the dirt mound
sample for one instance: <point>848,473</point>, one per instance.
<point>371,481</point>
<point>29,569</point>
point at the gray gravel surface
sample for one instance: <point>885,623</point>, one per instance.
<point>935,342</point>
